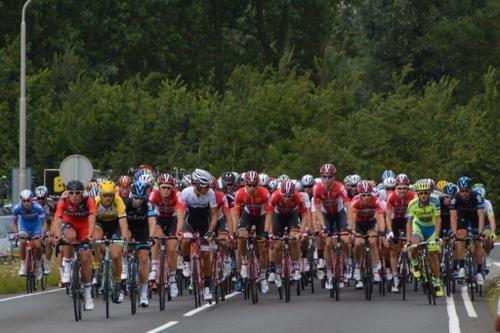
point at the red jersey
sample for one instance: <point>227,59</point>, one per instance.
<point>256,205</point>
<point>222,203</point>
<point>292,205</point>
<point>398,204</point>
<point>73,214</point>
<point>332,201</point>
<point>166,207</point>
<point>366,212</point>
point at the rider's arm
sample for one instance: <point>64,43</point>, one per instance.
<point>438,225</point>
<point>480,214</point>
<point>453,221</point>
<point>123,225</point>
<point>91,225</point>
<point>319,216</point>
<point>229,222</point>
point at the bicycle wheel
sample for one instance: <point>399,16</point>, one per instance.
<point>470,278</point>
<point>447,272</point>
<point>286,279</point>
<point>133,286</point>
<point>403,277</point>
<point>194,280</point>
<point>162,291</point>
<point>310,274</point>
<point>427,279</point>
<point>28,272</point>
<point>253,278</point>
<point>76,290</point>
<point>106,277</point>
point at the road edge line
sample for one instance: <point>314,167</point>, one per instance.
<point>28,295</point>
<point>453,321</point>
<point>163,327</point>
<point>468,304</point>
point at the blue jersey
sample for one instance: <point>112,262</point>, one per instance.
<point>36,214</point>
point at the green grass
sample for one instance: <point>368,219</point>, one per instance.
<point>11,283</point>
<point>493,294</point>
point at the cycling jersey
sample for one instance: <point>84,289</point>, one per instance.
<point>112,213</point>
<point>424,215</point>
<point>488,212</point>
<point>76,216</point>
<point>222,203</point>
<point>366,211</point>
<point>467,210</point>
<point>30,220</point>
<point>49,208</point>
<point>138,218</point>
<point>445,217</point>
<point>398,204</point>
<point>282,206</point>
<point>198,209</point>
<point>255,205</point>
<point>332,200</point>
<point>166,207</point>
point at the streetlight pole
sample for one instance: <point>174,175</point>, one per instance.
<point>22,103</point>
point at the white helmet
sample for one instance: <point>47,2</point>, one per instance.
<point>263,179</point>
<point>41,192</point>
<point>201,177</point>
<point>307,180</point>
<point>26,195</point>
<point>390,182</point>
<point>146,178</point>
<point>355,179</point>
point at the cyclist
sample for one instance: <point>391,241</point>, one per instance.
<point>331,203</point>
<point>229,179</point>
<point>124,187</point>
<point>489,223</point>
<point>397,204</point>
<point>75,219</point>
<point>253,203</point>
<point>449,191</point>
<point>286,205</point>
<point>224,223</point>
<point>366,217</point>
<point>201,217</point>
<point>168,207</point>
<point>308,225</point>
<point>467,212</point>
<point>350,183</point>
<point>111,224</point>
<point>28,219</point>
<point>141,223</point>
<point>425,218</point>
<point>49,206</point>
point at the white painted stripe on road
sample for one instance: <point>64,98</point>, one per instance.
<point>163,327</point>
<point>496,264</point>
<point>28,295</point>
<point>468,304</point>
<point>206,306</point>
<point>453,322</point>
<point>195,311</point>
<point>497,243</point>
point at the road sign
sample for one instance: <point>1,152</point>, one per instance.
<point>76,167</point>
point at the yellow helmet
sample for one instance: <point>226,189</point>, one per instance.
<point>107,187</point>
<point>422,185</point>
<point>441,184</point>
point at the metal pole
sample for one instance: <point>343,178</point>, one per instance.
<point>22,103</point>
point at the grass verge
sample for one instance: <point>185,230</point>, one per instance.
<point>11,283</point>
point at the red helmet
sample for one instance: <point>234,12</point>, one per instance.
<point>251,177</point>
<point>124,181</point>
<point>287,188</point>
<point>166,179</point>
<point>364,186</point>
<point>328,169</point>
<point>402,179</point>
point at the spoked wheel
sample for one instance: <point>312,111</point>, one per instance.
<point>133,287</point>
<point>404,278</point>
<point>107,294</point>
<point>162,289</point>
<point>195,276</point>
<point>429,285</point>
<point>76,291</point>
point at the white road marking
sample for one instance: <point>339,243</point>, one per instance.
<point>206,306</point>
<point>496,264</point>
<point>468,304</point>
<point>453,322</point>
<point>28,295</point>
<point>163,327</point>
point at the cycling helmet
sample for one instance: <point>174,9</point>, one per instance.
<point>124,181</point>
<point>41,191</point>
<point>307,180</point>
<point>74,185</point>
<point>107,187</point>
<point>287,188</point>
<point>298,185</point>
<point>328,169</point>
<point>186,180</point>
<point>379,186</point>
<point>423,185</point>
<point>92,184</point>
<point>263,179</point>
<point>388,173</point>
<point>142,172</point>
<point>138,190</point>
<point>272,185</point>
<point>26,195</point>
<point>390,182</point>
<point>431,182</point>
<point>283,178</point>
<point>99,180</point>
<point>364,186</point>
<point>228,177</point>
<point>94,192</point>
<point>251,177</point>
<point>464,182</point>
<point>355,179</point>
<point>450,189</point>
<point>201,177</point>
<point>213,183</point>
<point>166,179</point>
<point>146,178</point>
<point>376,192</point>
<point>347,181</point>
<point>480,190</point>
<point>441,184</point>
<point>402,180</point>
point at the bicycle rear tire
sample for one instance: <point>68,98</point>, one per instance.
<point>106,276</point>
<point>76,291</point>
<point>133,287</point>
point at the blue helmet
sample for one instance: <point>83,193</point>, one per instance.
<point>388,173</point>
<point>464,182</point>
<point>450,189</point>
<point>138,190</point>
<point>94,192</point>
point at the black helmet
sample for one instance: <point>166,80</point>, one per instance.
<point>74,185</point>
<point>228,177</point>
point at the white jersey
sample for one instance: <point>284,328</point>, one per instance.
<point>305,200</point>
<point>193,201</point>
<point>488,210</point>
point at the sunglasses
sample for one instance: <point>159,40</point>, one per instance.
<point>75,192</point>
<point>201,187</point>
<point>26,200</point>
<point>424,193</point>
<point>401,188</point>
<point>166,187</point>
<point>327,176</point>
<point>107,195</point>
<point>366,195</point>
<point>287,196</point>
<point>252,185</point>
<point>464,191</point>
<point>390,188</point>
<point>308,186</point>
<point>135,197</point>
<point>229,184</point>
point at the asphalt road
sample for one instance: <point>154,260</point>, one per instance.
<point>52,312</point>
